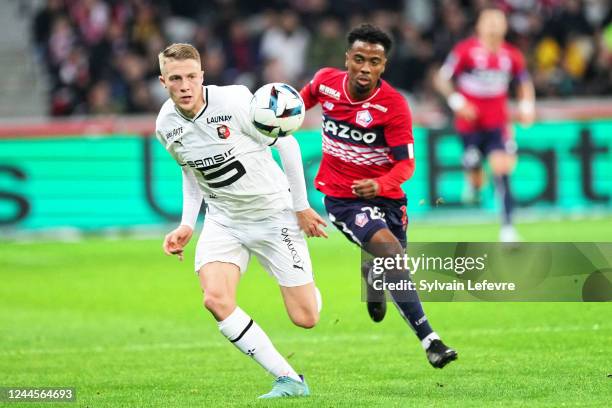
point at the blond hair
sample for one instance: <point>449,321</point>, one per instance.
<point>178,51</point>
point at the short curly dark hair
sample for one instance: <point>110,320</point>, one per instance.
<point>370,34</point>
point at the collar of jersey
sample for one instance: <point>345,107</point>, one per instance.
<point>200,113</point>
<point>349,98</point>
<point>499,51</point>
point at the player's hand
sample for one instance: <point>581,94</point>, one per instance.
<point>468,112</point>
<point>366,188</point>
<point>526,113</point>
<point>176,240</point>
<point>310,222</point>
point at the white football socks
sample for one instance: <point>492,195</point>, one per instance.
<point>426,342</point>
<point>241,330</point>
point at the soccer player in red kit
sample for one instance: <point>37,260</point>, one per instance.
<point>482,68</point>
<point>368,152</point>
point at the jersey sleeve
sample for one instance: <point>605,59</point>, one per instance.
<point>309,94</point>
<point>192,198</point>
<point>160,136</point>
<point>310,91</point>
<point>291,158</point>
<point>454,63</point>
<point>519,66</point>
<point>242,99</point>
<point>398,131</point>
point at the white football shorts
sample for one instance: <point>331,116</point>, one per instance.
<point>276,241</point>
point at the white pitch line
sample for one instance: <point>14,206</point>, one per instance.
<point>305,339</point>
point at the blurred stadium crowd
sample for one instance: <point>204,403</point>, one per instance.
<point>101,55</point>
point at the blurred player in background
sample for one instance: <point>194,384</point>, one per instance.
<point>207,130</point>
<point>482,68</point>
<point>368,153</point>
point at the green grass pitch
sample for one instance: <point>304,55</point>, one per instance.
<point>124,325</point>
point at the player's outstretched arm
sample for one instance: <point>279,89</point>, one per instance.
<point>443,83</point>
<point>177,239</point>
<point>526,102</point>
<point>310,222</point>
<point>367,189</point>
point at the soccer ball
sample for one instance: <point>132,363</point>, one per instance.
<point>277,110</point>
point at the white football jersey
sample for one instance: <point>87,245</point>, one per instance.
<point>231,160</point>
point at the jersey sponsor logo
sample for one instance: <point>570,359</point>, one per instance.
<point>361,219</point>
<point>484,82</point>
<point>211,161</point>
<point>298,262</point>
<point>324,89</point>
<point>223,132</point>
<point>364,118</point>
<point>494,75</point>
<point>347,132</point>
<point>328,105</point>
<point>359,155</point>
<point>218,119</point>
<point>173,135</point>
<point>374,106</point>
<point>219,170</point>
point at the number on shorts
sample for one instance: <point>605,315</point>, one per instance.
<point>374,212</point>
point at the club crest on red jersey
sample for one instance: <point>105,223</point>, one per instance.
<point>328,105</point>
<point>364,118</point>
<point>223,132</point>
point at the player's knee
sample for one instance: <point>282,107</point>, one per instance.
<point>306,319</point>
<point>499,168</point>
<point>384,249</point>
<point>390,250</point>
<point>384,244</point>
<point>501,163</point>
<point>218,304</point>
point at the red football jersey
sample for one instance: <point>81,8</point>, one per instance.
<point>483,78</point>
<point>361,139</point>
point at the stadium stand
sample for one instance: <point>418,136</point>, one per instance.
<point>100,55</point>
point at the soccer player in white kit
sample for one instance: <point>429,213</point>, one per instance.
<point>252,207</point>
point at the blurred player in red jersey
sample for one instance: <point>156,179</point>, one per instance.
<point>368,152</point>
<point>482,68</point>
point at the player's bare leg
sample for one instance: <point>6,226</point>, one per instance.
<point>219,281</point>
<point>474,175</point>
<point>384,244</point>
<point>303,304</point>
<point>475,180</point>
<point>502,164</point>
